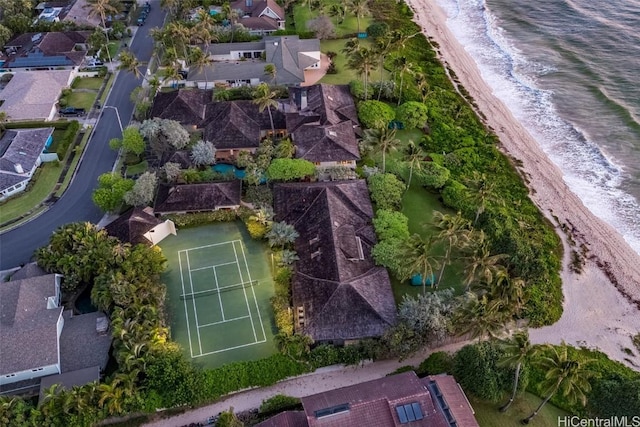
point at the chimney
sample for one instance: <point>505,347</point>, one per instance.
<point>303,99</point>
<point>18,168</point>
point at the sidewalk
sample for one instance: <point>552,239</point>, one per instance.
<point>322,380</point>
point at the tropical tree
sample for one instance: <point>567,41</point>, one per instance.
<point>172,72</point>
<point>475,317</point>
<point>565,373</point>
<point>481,192</point>
<point>281,234</point>
<point>143,191</point>
<point>454,231</point>
<point>271,71</point>
<point>383,46</point>
<point>263,216</point>
<point>417,258</point>
<point>339,10</point>
<point>110,192</point>
<point>130,64</point>
<point>102,8</point>
<point>4,117</point>
<point>352,46</point>
<point>232,15</point>
<point>382,140</point>
<point>363,61</point>
<point>264,97</point>
<point>517,351</point>
<point>507,295</point>
<point>203,153</point>
<point>359,8</point>
<point>201,61</point>
<point>287,257</point>
<point>481,265</point>
<point>402,66</point>
<point>413,155</point>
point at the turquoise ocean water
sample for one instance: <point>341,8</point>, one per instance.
<point>569,70</point>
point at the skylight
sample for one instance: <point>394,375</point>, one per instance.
<point>332,410</point>
<point>409,412</point>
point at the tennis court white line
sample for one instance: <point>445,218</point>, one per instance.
<point>213,266</point>
<point>195,311</point>
<point>215,276</point>
<point>231,348</point>
<point>255,337</point>
<point>255,299</point>
<point>224,321</point>
<point>186,313</point>
<point>221,289</point>
<point>208,246</point>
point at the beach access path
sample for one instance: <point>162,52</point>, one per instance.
<point>601,303</point>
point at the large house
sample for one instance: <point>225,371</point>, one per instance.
<point>202,197</point>
<point>33,95</point>
<point>260,17</point>
<point>45,51</point>
<point>39,339</point>
<point>239,64</point>
<point>393,401</point>
<point>20,155</point>
<point>323,124</point>
<point>140,226</point>
<point>339,294</point>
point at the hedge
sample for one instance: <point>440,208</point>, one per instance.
<point>200,218</point>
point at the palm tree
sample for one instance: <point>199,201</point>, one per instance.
<point>423,84</point>
<point>481,193</point>
<point>417,258</point>
<point>413,155</point>
<point>281,234</point>
<point>481,265</point>
<point>288,257</point>
<point>201,61</point>
<point>363,61</point>
<point>476,317</point>
<point>454,230</point>
<point>339,10</point>
<point>359,8</point>
<point>232,15</point>
<point>567,374</point>
<point>130,64</point>
<point>351,46</point>
<point>271,71</point>
<point>4,117</point>
<point>264,97</point>
<point>263,216</point>
<point>383,46</point>
<point>517,351</point>
<point>402,66</point>
<point>507,295</point>
<point>100,9</point>
<point>172,73</point>
<point>180,34</point>
<point>383,139</point>
<point>170,5</point>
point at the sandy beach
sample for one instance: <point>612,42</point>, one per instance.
<point>601,304</point>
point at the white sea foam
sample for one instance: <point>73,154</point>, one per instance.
<point>594,177</point>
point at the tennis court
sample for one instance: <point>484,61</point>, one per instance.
<point>218,286</point>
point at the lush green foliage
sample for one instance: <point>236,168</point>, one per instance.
<point>439,362</point>
<point>615,396</point>
<point>476,369</point>
<point>200,218</point>
<point>132,141</point>
<point>111,190</point>
<point>279,403</point>
<point>432,175</point>
<point>412,114</point>
<point>387,254</point>
<point>386,190</point>
<point>391,224</point>
<point>375,114</point>
<point>428,315</point>
<point>290,169</point>
<point>143,190</point>
<point>281,301</point>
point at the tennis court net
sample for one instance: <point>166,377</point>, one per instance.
<point>220,290</point>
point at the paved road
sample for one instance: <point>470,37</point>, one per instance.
<point>17,246</point>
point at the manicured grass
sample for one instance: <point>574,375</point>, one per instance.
<point>137,169</point>
<point>345,74</point>
<point>302,15</point>
<point>57,137</point>
<point>82,100</point>
<point>488,415</point>
<point>43,183</point>
<point>87,83</point>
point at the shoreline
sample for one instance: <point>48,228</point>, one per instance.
<point>600,303</point>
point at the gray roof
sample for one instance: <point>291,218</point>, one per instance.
<point>80,344</point>
<point>259,23</point>
<point>70,379</point>
<point>186,106</point>
<point>30,95</point>
<point>231,70</point>
<point>287,53</point>
<point>198,197</point>
<point>29,270</point>
<point>226,48</point>
<point>9,180</point>
<point>326,104</point>
<point>331,143</point>
<point>344,294</point>
<point>131,226</point>
<point>28,330</point>
<point>23,147</point>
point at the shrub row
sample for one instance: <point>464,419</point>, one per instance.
<point>68,138</point>
<point>280,302</point>
<point>200,218</point>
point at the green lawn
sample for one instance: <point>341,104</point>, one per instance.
<point>57,137</point>
<point>82,100</point>
<point>74,163</point>
<point>87,83</point>
<point>137,169</point>
<point>44,182</point>
<point>345,74</point>
<point>302,15</point>
<point>488,415</point>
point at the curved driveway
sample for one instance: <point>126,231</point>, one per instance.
<point>17,246</point>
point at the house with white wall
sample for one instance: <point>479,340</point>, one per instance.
<point>31,323</point>
<point>21,152</point>
<point>260,17</point>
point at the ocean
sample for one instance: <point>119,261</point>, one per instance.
<point>569,71</point>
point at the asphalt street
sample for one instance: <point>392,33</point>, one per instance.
<point>17,246</point>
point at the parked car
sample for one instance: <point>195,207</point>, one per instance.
<point>72,112</point>
<point>140,22</point>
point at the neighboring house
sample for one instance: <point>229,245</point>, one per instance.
<point>260,17</point>
<point>45,51</point>
<point>30,327</point>
<point>393,401</point>
<point>20,155</point>
<point>234,126</point>
<point>185,106</point>
<point>79,14</point>
<point>323,124</point>
<point>339,294</point>
<point>33,95</point>
<point>140,226</point>
<point>39,339</point>
<point>203,197</point>
<point>239,64</point>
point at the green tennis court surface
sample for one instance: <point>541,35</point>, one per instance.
<point>219,285</point>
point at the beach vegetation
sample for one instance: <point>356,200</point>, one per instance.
<point>412,114</point>
<point>375,114</point>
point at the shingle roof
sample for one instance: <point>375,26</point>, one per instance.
<point>30,95</point>
<point>286,419</point>
<point>344,295</point>
<point>237,124</point>
<point>181,157</point>
<point>226,48</point>
<point>326,143</point>
<point>23,147</point>
<point>186,106</point>
<point>454,399</point>
<point>28,330</point>
<point>54,48</point>
<point>28,271</point>
<point>131,226</point>
<point>287,53</point>
<point>331,104</point>
<point>71,379</point>
<point>80,344</point>
<point>231,70</point>
<point>198,197</point>
<point>255,8</point>
<point>259,23</point>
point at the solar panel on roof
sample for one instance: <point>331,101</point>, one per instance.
<point>402,415</point>
<point>409,410</point>
<point>417,410</point>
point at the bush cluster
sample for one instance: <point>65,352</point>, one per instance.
<point>281,301</point>
<point>200,218</point>
<point>68,138</point>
